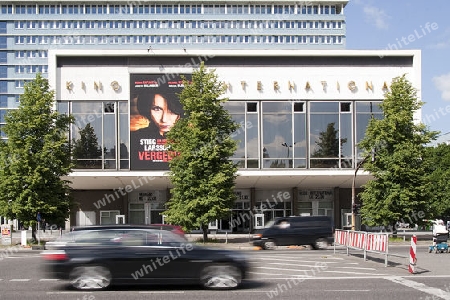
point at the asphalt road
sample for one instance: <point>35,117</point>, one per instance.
<point>279,274</point>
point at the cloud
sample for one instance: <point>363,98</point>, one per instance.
<point>444,40</point>
<point>440,45</point>
<point>442,83</point>
<point>376,16</point>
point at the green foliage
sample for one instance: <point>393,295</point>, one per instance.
<point>438,164</point>
<point>399,189</point>
<point>203,176</point>
<point>34,157</point>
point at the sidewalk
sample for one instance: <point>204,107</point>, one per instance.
<point>228,241</point>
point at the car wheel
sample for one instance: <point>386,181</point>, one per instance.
<point>269,245</point>
<point>321,244</point>
<point>223,276</point>
<point>90,278</point>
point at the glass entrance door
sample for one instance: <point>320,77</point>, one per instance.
<point>315,208</point>
<point>146,213</point>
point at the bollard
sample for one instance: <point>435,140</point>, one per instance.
<point>226,237</point>
<point>412,255</point>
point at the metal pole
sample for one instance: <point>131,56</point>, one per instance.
<point>353,200</point>
<point>39,239</point>
<point>358,165</point>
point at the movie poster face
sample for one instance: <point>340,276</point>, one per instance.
<point>154,109</point>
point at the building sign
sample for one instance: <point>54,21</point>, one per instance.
<point>151,196</point>
<point>242,195</point>
<point>310,195</point>
<point>154,109</point>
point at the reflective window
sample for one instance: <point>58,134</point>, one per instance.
<point>6,9</point>
<point>299,128</point>
<point>96,138</point>
<point>364,112</point>
<point>324,134</point>
<point>3,101</point>
<point>277,134</point>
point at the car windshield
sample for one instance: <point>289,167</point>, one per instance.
<point>269,224</point>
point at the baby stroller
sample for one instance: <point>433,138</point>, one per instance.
<point>440,236</point>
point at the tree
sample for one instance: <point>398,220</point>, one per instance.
<point>34,158</point>
<point>438,163</point>
<point>202,174</point>
<point>398,191</point>
<point>86,150</point>
<point>328,145</point>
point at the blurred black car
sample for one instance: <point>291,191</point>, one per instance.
<point>97,257</point>
<point>316,231</point>
<point>174,228</point>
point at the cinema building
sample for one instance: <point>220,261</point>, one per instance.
<point>302,100</point>
<point>302,114</point>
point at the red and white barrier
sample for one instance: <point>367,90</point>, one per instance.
<point>340,237</point>
<point>356,239</point>
<point>412,255</point>
<point>360,240</point>
<point>377,242</point>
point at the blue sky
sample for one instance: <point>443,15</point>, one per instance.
<point>386,24</point>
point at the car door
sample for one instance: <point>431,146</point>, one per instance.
<point>174,256</point>
<point>136,259</point>
<point>282,232</point>
<point>155,255</point>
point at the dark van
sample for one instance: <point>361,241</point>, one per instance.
<point>316,231</point>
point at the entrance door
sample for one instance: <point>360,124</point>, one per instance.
<point>259,221</point>
<point>85,218</point>
<point>120,219</point>
<point>145,213</point>
<point>315,208</point>
<point>213,226</point>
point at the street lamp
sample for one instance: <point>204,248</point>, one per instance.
<point>289,158</point>
<point>354,193</point>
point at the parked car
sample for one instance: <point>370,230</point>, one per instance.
<point>96,257</point>
<point>316,231</point>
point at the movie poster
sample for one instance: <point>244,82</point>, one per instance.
<point>154,109</point>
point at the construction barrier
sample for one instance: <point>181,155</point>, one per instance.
<point>412,255</point>
<point>340,237</point>
<point>361,240</point>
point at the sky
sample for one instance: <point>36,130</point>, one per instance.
<point>389,24</point>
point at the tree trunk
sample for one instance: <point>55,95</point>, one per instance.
<point>394,230</point>
<point>205,233</point>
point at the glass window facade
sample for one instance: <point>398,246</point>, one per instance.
<point>272,134</point>
<point>100,134</point>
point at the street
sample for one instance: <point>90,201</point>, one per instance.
<point>279,274</point>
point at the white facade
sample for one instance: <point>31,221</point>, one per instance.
<point>302,75</point>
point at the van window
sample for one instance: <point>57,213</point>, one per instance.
<point>282,223</point>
